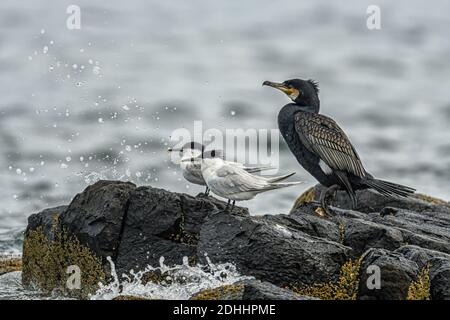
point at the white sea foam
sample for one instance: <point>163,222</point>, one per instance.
<point>181,281</point>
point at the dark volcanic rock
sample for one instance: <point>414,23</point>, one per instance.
<point>262,290</point>
<point>250,289</point>
<point>136,226</point>
<point>421,256</point>
<point>95,216</point>
<point>396,275</point>
<point>362,235</point>
<point>159,224</point>
<point>47,220</point>
<point>370,201</point>
<point>258,246</point>
<point>440,279</point>
<point>413,221</point>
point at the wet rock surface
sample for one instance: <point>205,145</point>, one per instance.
<point>136,226</point>
<point>249,290</point>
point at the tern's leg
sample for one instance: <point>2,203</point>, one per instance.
<point>228,205</point>
<point>232,206</point>
<point>325,196</point>
<point>207,191</point>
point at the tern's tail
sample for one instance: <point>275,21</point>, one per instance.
<point>280,178</point>
<point>258,169</point>
<point>278,185</point>
<point>389,189</point>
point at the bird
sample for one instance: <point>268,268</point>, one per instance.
<point>233,182</point>
<point>192,152</point>
<point>323,148</point>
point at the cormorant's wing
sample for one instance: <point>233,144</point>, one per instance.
<point>322,136</point>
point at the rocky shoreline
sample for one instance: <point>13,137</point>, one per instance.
<point>300,255</point>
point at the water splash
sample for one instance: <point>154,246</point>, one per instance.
<point>180,281</point>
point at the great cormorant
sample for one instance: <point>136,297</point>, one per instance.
<point>322,147</point>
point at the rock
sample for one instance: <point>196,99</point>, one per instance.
<point>137,226</point>
<point>249,290</point>
<point>370,201</point>
<point>258,247</point>
<point>125,297</point>
<point>362,235</point>
<point>396,275</point>
<point>440,278</point>
<point>47,219</point>
<point>96,215</point>
<point>414,222</point>
<point>421,256</point>
<point>161,223</point>
<point>436,264</point>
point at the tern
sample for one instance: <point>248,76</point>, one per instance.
<point>234,182</point>
<point>190,163</point>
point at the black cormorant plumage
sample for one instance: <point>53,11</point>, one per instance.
<point>322,147</point>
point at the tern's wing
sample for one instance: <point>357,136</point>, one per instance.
<point>230,179</point>
<point>255,169</point>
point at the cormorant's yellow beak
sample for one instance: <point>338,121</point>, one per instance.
<point>282,87</point>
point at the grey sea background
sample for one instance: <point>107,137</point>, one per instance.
<point>102,102</point>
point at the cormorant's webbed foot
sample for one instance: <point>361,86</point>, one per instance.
<point>325,197</point>
<point>207,192</point>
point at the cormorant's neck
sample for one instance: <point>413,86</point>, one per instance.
<point>313,108</point>
<point>311,105</point>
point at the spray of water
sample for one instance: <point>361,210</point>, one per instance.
<point>180,281</point>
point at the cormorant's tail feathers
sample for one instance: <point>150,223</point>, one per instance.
<point>389,189</point>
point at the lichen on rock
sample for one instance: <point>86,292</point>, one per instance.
<point>346,288</point>
<point>420,289</point>
<point>10,264</point>
<point>227,292</point>
<point>46,262</point>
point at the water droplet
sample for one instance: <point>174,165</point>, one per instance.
<point>96,70</point>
